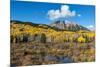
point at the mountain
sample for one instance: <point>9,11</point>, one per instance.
<point>58,25</point>
<point>70,26</point>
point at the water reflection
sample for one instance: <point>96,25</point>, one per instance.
<point>59,59</point>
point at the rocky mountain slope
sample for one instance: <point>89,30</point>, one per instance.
<point>70,26</point>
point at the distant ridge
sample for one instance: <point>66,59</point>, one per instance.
<point>57,25</point>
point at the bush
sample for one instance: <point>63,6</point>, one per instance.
<point>81,39</point>
<point>66,40</point>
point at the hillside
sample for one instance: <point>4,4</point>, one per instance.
<point>36,44</point>
<point>43,33</point>
<point>28,29</point>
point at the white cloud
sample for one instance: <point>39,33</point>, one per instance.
<point>79,15</point>
<point>54,14</point>
<point>63,12</point>
<point>91,27</point>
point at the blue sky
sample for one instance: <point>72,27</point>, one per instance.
<point>37,12</point>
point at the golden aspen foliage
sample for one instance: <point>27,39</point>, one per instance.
<point>81,39</point>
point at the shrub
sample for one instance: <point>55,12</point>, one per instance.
<point>66,40</point>
<point>81,39</point>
